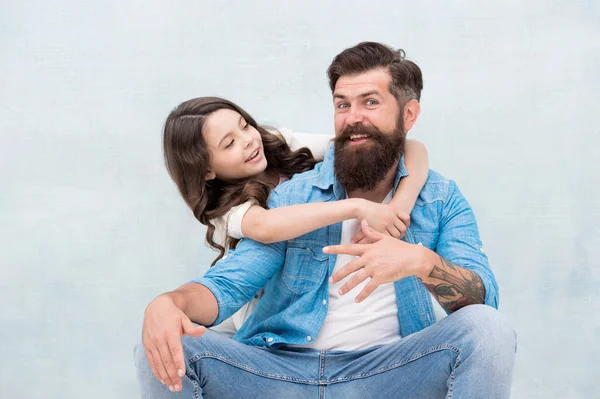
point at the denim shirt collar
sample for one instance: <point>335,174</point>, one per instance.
<point>326,177</point>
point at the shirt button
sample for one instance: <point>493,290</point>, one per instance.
<point>481,249</point>
<point>324,302</point>
<point>420,243</point>
<point>270,339</point>
<point>309,338</point>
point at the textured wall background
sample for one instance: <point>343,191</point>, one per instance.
<point>92,228</point>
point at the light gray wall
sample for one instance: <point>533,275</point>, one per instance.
<point>92,228</point>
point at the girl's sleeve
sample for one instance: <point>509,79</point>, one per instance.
<point>317,143</point>
<point>234,217</point>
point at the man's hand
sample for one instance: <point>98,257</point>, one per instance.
<point>385,259</point>
<point>384,218</point>
<point>164,325</point>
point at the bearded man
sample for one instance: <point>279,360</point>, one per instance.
<point>424,323</point>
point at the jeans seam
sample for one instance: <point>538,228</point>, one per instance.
<point>191,375</point>
<point>280,377</point>
<point>452,375</point>
<point>429,351</point>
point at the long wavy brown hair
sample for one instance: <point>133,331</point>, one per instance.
<point>187,159</point>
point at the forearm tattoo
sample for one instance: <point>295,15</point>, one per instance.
<point>454,287</point>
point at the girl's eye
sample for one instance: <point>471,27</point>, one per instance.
<point>230,144</point>
<point>246,126</point>
<point>372,102</point>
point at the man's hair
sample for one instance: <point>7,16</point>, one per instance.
<point>407,80</point>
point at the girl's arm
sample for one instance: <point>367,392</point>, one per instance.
<point>287,222</point>
<point>280,224</point>
<point>416,161</point>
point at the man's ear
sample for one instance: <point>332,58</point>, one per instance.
<point>209,175</point>
<point>412,109</point>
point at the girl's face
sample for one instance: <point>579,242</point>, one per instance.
<point>235,146</point>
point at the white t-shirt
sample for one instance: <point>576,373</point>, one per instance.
<point>352,326</point>
<point>231,223</point>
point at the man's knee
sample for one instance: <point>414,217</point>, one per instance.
<point>488,328</point>
<point>143,370</point>
<point>139,356</point>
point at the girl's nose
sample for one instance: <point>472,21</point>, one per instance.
<point>248,140</point>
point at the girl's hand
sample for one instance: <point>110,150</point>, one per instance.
<point>384,218</point>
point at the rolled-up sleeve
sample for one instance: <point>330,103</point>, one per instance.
<point>459,242</point>
<point>235,279</point>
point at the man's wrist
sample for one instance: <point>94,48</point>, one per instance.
<point>424,260</point>
<point>177,297</point>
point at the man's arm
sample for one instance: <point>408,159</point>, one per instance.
<point>225,288</point>
<point>385,260</point>
<point>197,302</point>
<point>453,286</point>
<point>458,272</point>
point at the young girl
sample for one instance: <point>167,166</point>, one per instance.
<point>225,166</point>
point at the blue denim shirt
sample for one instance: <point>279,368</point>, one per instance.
<point>295,273</point>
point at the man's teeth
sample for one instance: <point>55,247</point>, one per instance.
<point>358,136</point>
<point>254,154</point>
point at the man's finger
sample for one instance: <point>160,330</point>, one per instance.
<point>160,367</point>
<point>355,280</point>
<point>370,233</point>
<point>168,366</point>
<point>357,237</point>
<point>368,290</point>
<point>178,362</point>
<point>192,329</point>
<point>169,360</point>
<point>348,249</point>
<point>153,367</point>
<point>176,350</point>
<point>348,268</point>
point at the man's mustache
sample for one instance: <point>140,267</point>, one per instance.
<point>358,128</point>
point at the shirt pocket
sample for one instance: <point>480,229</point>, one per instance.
<point>428,239</point>
<point>304,268</point>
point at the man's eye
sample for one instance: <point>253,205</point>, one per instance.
<point>230,144</point>
<point>372,102</point>
<point>343,105</point>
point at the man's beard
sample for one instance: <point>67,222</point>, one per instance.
<point>363,166</point>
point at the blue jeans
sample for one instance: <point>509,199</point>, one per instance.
<point>469,354</point>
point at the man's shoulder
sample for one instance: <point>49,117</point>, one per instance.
<point>437,188</point>
<point>299,188</point>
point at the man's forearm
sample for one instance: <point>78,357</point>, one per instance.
<point>197,302</point>
<point>453,286</point>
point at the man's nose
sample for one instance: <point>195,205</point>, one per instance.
<point>354,116</point>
